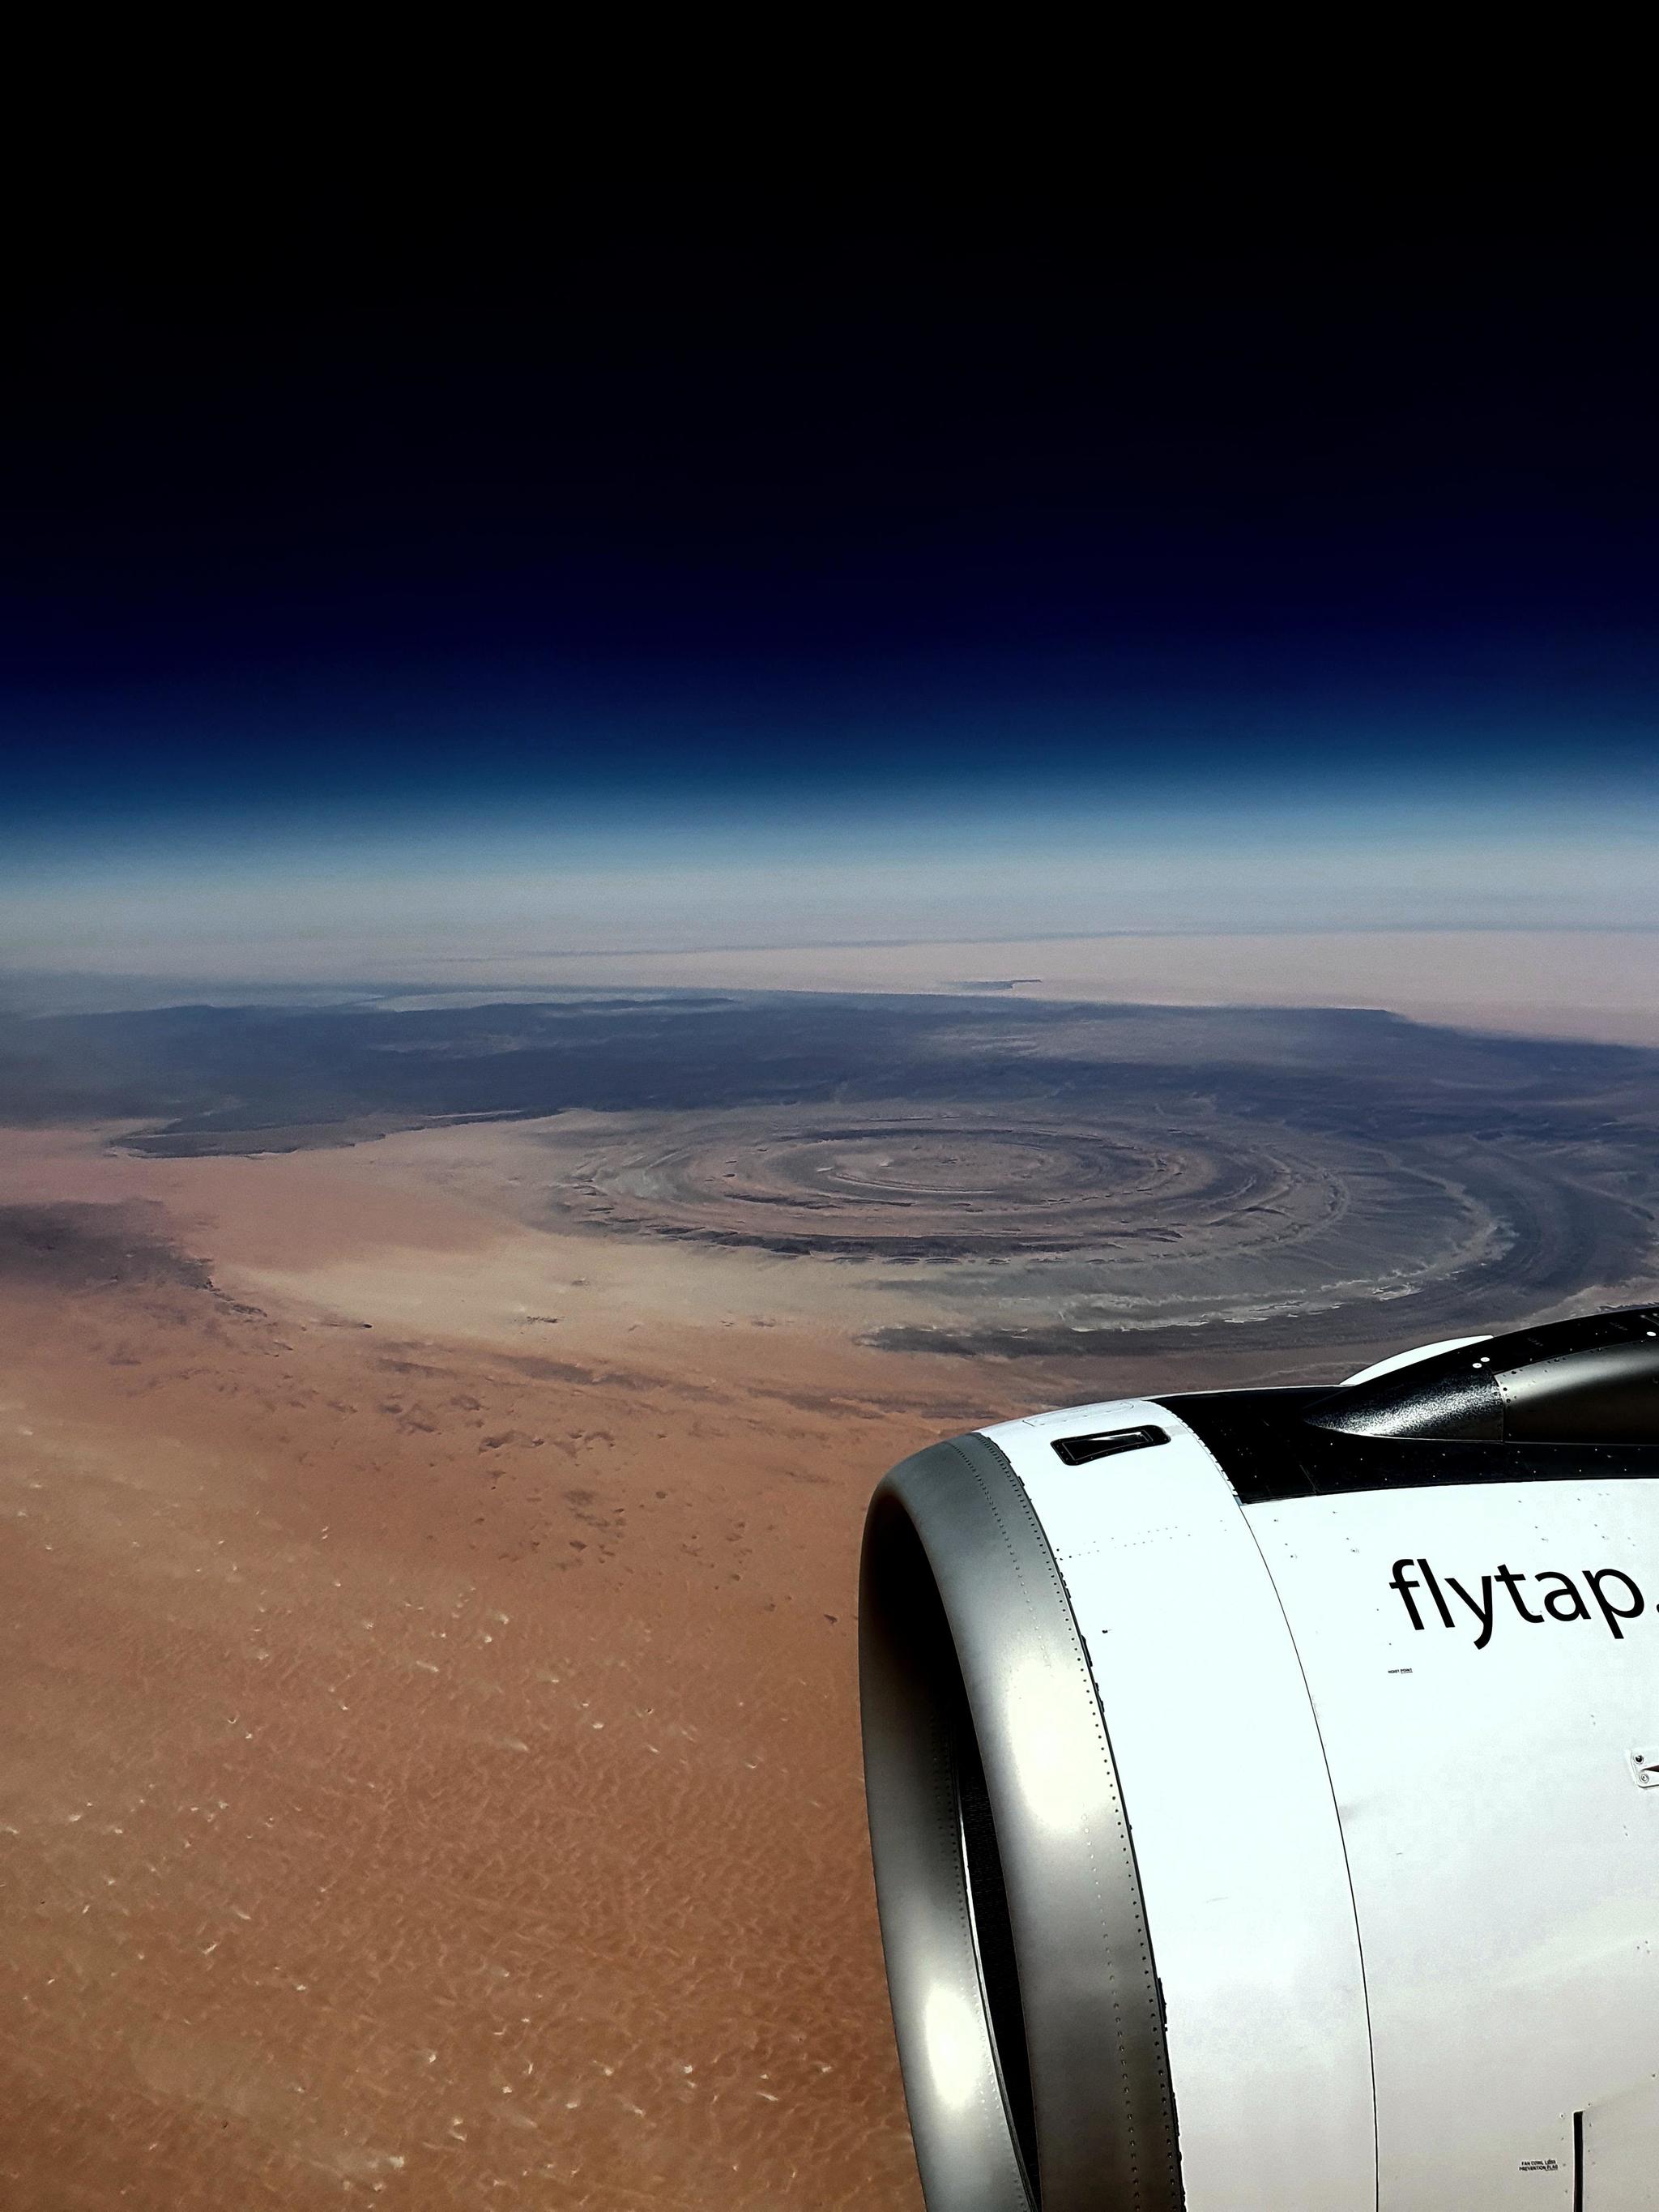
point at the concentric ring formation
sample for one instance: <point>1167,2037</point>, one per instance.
<point>1030,1225</point>
<point>916,1186</point>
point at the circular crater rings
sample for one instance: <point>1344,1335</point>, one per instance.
<point>1029,1226</point>
<point>913,1185</point>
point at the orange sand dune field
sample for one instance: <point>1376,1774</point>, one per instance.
<point>430,1771</point>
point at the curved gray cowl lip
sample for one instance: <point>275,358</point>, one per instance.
<point>958,1574</point>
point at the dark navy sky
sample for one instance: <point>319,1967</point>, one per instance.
<point>337,522</point>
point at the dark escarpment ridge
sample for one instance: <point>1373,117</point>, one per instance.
<point>214,1077</point>
<point>71,1246</point>
<point>1020,1178</point>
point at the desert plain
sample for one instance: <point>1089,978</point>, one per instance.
<point>434,1444</point>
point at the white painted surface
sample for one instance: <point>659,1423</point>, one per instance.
<point>1230,1808</point>
<point>1621,2149</point>
<point>1505,1865</point>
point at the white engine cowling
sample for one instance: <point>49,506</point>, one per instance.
<point>1264,1792</point>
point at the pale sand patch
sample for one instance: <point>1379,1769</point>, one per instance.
<point>434,1231</point>
<point>292,1209</point>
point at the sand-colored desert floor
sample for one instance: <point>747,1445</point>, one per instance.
<point>431,1769</point>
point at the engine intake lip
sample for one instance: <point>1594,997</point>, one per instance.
<point>1024,1995</point>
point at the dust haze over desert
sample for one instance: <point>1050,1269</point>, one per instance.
<point>651,861</point>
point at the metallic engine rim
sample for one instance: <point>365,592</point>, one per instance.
<point>951,1543</point>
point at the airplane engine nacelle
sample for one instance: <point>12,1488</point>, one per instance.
<point>1264,1792</point>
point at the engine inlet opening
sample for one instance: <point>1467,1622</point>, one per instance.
<point>993,1945</point>
<point>1011,1917</point>
<point>946,1920</point>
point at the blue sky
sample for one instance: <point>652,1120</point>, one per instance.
<point>738,579</point>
